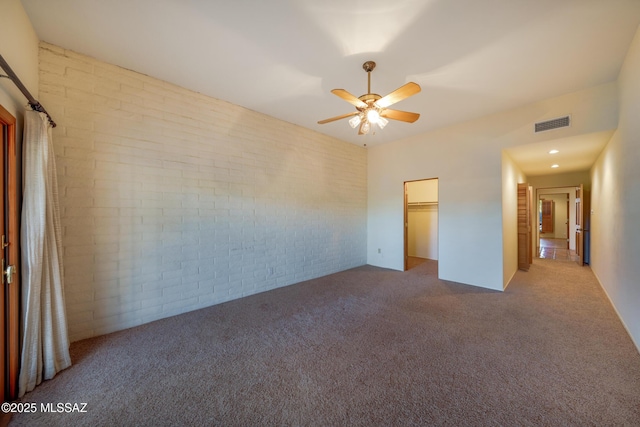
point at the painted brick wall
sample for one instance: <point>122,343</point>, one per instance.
<point>172,201</point>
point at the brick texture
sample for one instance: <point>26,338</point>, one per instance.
<point>173,201</point>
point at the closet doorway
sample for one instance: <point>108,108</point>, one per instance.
<point>420,222</point>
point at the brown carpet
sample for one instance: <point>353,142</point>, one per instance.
<point>366,347</point>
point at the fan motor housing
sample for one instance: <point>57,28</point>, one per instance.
<point>368,99</point>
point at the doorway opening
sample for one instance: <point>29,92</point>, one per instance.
<point>420,222</point>
<point>561,220</point>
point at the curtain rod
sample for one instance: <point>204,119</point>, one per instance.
<point>33,103</point>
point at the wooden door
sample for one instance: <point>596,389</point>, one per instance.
<point>547,216</point>
<point>9,297</point>
<point>524,227</point>
<point>579,222</point>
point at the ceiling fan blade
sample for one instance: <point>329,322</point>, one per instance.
<point>360,128</point>
<point>351,99</point>
<point>398,95</point>
<point>403,116</point>
<point>333,119</point>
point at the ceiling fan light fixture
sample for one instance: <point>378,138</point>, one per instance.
<point>365,127</point>
<point>371,106</point>
<point>372,115</point>
<point>355,121</point>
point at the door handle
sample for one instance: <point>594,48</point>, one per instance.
<point>7,273</point>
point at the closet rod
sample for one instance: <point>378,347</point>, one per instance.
<point>33,103</point>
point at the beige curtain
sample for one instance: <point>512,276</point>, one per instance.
<point>45,345</point>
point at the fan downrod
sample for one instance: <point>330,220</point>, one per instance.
<point>368,67</point>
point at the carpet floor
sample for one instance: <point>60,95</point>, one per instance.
<point>366,347</point>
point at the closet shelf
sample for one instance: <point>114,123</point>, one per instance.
<point>422,203</point>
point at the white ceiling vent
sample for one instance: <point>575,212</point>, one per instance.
<point>560,122</point>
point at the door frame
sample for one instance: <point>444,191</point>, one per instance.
<point>406,226</point>
<point>542,191</point>
<point>583,212</point>
<point>406,219</point>
<point>568,219</point>
<point>10,295</point>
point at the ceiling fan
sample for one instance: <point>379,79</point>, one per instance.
<point>372,108</point>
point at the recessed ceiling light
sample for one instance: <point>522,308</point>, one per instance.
<point>555,166</point>
<point>553,151</point>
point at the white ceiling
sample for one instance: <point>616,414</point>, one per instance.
<point>283,57</point>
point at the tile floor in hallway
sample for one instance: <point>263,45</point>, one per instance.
<point>556,249</point>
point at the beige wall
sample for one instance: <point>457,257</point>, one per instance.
<point>570,179</point>
<point>467,159</point>
<point>172,201</point>
<point>615,203</point>
<point>19,47</point>
<point>425,190</point>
